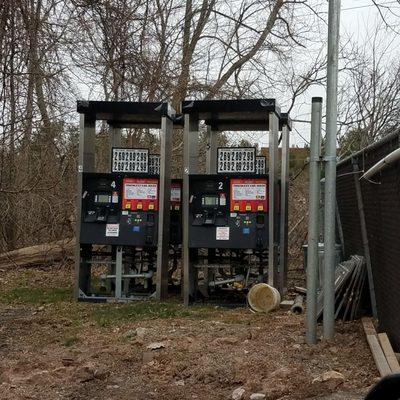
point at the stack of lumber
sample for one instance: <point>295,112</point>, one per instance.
<point>349,296</point>
<point>382,351</point>
<point>350,277</point>
<point>43,254</point>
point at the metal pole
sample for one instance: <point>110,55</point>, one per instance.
<point>364,235</point>
<point>190,163</point>
<point>164,208</point>
<point>283,246</point>
<point>211,152</point>
<point>273,184</point>
<point>115,140</point>
<point>313,220</point>
<point>211,168</point>
<point>118,273</point>
<point>330,169</point>
<point>86,163</point>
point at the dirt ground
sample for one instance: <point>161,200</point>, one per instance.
<point>52,347</point>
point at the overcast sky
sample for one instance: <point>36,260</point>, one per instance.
<point>358,19</point>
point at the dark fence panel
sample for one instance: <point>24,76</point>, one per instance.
<point>381,200</point>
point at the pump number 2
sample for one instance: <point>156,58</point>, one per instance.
<point>220,185</point>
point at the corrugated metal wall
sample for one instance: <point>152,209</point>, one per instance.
<point>382,212</point>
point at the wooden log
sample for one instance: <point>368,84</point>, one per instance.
<point>376,349</point>
<point>389,353</point>
<point>42,254</point>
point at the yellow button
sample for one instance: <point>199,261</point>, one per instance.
<point>139,206</point>
<point>128,205</point>
<point>248,207</point>
<point>260,207</point>
<point>236,207</point>
<point>151,206</point>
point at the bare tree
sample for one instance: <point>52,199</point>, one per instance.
<point>370,94</point>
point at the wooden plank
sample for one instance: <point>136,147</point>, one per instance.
<point>379,356</point>
<point>389,353</point>
<point>368,326</point>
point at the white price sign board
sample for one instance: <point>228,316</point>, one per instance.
<point>249,191</point>
<point>140,191</point>
<point>154,164</point>
<point>236,160</point>
<point>260,165</point>
<point>130,160</point>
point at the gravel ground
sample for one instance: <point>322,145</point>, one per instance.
<point>52,347</point>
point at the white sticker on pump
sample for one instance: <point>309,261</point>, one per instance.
<point>140,191</point>
<point>249,191</point>
<point>222,233</point>
<point>112,230</point>
<point>175,194</point>
<point>222,199</point>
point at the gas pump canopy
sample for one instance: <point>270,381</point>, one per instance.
<point>126,114</point>
<point>236,115</point>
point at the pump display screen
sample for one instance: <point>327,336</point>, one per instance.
<point>209,201</point>
<point>102,198</point>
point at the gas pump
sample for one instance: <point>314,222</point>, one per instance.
<point>228,219</point>
<point>233,219</point>
<point>123,244</point>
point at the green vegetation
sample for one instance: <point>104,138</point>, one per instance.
<point>70,341</point>
<point>29,295</point>
<point>110,314</point>
<point>104,314</point>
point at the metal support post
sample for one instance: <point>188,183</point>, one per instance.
<point>211,168</point>
<point>284,203</point>
<point>313,220</point>
<point>330,169</point>
<point>86,163</point>
<point>164,207</point>
<point>273,209</point>
<point>190,163</point>
<point>118,273</point>
<point>115,139</point>
<point>364,236</point>
<point>211,151</point>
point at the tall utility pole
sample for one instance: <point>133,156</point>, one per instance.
<point>330,169</point>
<point>313,220</point>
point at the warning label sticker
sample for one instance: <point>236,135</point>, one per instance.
<point>222,233</point>
<point>140,191</point>
<point>249,191</point>
<point>176,194</point>
<point>112,230</point>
